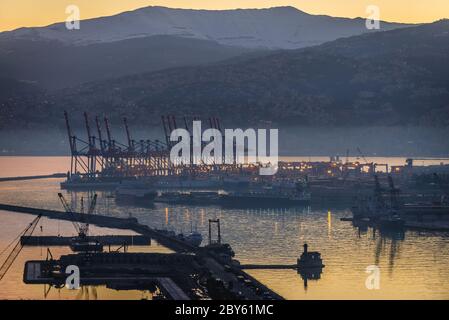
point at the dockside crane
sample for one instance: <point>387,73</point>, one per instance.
<point>93,154</point>
<point>82,242</point>
<point>77,155</point>
<point>166,133</point>
<point>25,234</point>
<point>82,228</point>
<point>72,139</point>
<point>90,137</point>
<point>128,136</point>
<point>108,133</point>
<point>100,136</point>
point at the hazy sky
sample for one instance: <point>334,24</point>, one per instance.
<point>20,13</point>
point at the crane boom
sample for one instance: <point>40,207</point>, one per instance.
<point>108,132</point>
<point>128,135</point>
<point>89,135</point>
<point>85,225</point>
<point>18,247</point>
<point>100,136</point>
<point>64,202</point>
<point>69,210</point>
<point>81,228</point>
<point>69,131</point>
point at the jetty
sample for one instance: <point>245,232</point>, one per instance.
<point>46,176</point>
<point>108,222</point>
<point>107,240</point>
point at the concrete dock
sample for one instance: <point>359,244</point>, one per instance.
<point>107,222</point>
<point>113,240</point>
<point>269,266</point>
<point>33,275</point>
<point>46,176</point>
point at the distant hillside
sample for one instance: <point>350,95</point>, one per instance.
<point>53,65</point>
<point>17,98</point>
<point>398,77</point>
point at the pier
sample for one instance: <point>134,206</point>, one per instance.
<point>33,275</point>
<point>269,266</point>
<point>217,267</point>
<point>108,222</point>
<point>109,240</point>
<point>46,176</point>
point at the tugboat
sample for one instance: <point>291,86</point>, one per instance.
<point>310,260</point>
<point>194,238</point>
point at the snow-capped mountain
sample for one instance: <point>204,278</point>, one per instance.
<point>273,28</point>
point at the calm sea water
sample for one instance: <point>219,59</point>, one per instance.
<point>412,265</point>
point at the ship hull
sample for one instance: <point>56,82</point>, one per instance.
<point>261,201</point>
<point>136,198</point>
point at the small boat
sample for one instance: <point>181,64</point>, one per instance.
<point>310,260</point>
<point>194,238</point>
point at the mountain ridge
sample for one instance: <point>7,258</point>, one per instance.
<point>289,27</point>
<point>337,83</point>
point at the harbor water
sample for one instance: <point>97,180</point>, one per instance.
<point>413,265</point>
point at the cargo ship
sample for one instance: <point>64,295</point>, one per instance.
<point>268,196</point>
<point>189,198</point>
<point>135,192</point>
<point>262,199</point>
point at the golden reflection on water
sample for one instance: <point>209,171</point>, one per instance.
<point>12,284</point>
<point>412,265</point>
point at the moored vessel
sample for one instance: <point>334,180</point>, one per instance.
<point>268,196</point>
<point>140,192</point>
<point>310,259</point>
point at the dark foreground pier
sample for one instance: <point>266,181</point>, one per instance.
<point>109,240</point>
<point>107,222</point>
<point>269,266</point>
<point>222,279</point>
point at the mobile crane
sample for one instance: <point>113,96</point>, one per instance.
<point>82,242</point>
